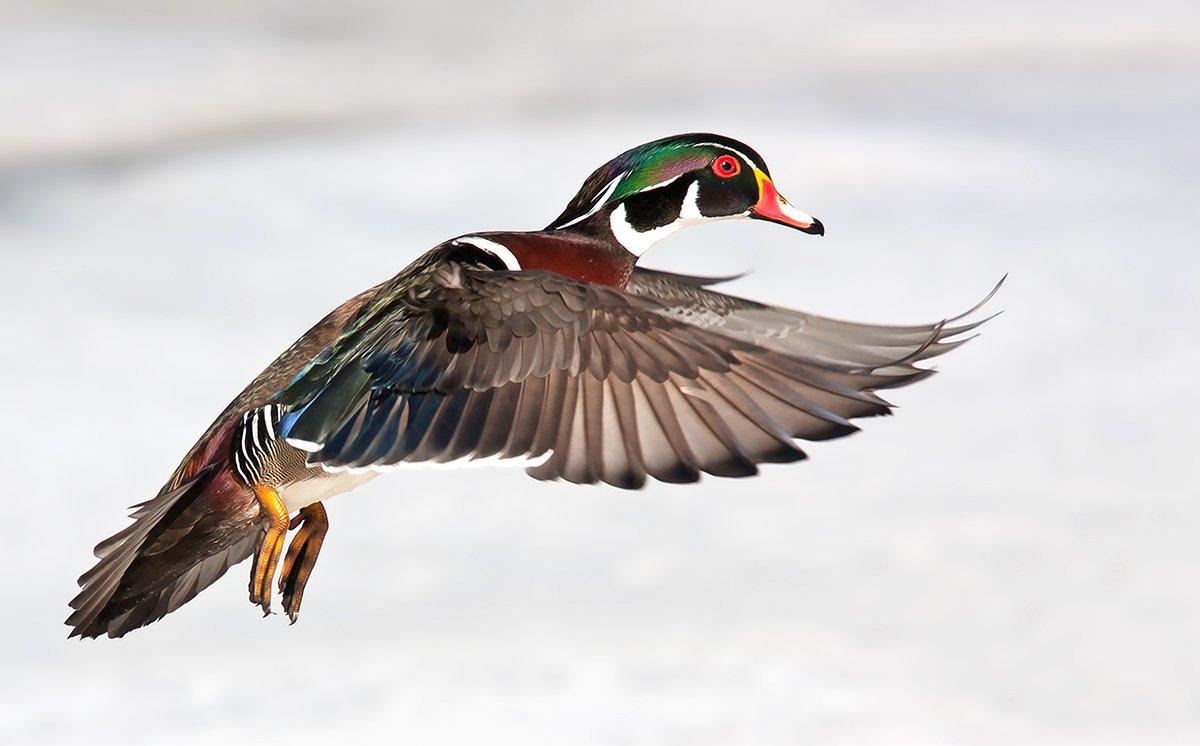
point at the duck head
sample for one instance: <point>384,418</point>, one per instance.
<point>649,192</point>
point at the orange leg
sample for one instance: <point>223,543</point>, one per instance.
<point>269,547</point>
<point>302,556</point>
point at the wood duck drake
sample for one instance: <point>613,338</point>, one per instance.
<point>551,349</point>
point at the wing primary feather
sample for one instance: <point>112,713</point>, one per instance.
<point>378,441</point>
<point>626,411</point>
<point>470,425</point>
<point>738,461</point>
<point>552,411</point>
<point>442,426</point>
<point>593,426</point>
<point>745,405</point>
<point>530,401</point>
<point>499,423</point>
<point>559,421</point>
<point>685,468</point>
<point>767,381</point>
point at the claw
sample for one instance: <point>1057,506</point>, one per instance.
<point>270,547</point>
<point>302,557</point>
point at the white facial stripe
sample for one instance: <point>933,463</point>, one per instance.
<point>750,162</point>
<point>608,192</point>
<point>659,184</point>
<point>600,201</point>
<point>498,250</point>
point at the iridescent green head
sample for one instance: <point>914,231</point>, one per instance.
<point>654,189</point>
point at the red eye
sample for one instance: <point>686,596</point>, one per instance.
<point>726,167</point>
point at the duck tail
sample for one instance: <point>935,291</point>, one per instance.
<point>179,543</point>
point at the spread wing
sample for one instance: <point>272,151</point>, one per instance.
<point>882,356</point>
<point>605,386</point>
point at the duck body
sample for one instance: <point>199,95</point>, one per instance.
<point>550,349</point>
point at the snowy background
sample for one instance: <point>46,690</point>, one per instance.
<point>1012,559</point>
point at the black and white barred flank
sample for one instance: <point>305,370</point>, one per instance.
<point>255,447</point>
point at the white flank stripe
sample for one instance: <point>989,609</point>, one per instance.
<point>240,463</point>
<point>254,439</point>
<point>246,436</point>
<point>500,251</point>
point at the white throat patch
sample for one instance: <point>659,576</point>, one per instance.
<point>639,242</point>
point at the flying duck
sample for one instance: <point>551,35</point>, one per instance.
<point>550,349</point>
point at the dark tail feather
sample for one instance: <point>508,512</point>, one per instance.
<point>179,544</point>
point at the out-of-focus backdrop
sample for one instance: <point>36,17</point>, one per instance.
<point>1012,559</point>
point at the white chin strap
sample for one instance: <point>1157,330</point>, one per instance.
<point>639,242</point>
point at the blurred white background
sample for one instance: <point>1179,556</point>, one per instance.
<point>1012,559</point>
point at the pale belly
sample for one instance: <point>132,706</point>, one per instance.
<point>320,485</point>
<point>301,485</point>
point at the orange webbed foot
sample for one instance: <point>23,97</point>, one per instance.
<point>313,523</point>
<point>270,546</point>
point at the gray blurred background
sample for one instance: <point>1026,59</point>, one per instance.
<point>1012,559</point>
